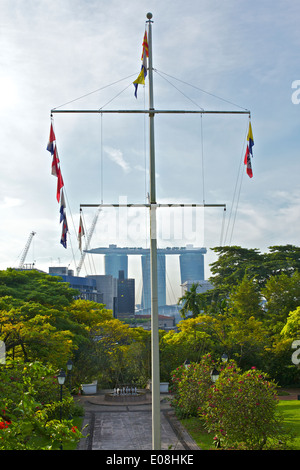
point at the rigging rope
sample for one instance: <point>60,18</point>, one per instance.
<point>223,226</point>
<point>95,91</point>
<point>101,158</point>
<point>164,76</point>
<point>202,158</point>
<point>70,238</point>
<point>239,177</point>
<point>90,258</point>
<point>200,89</point>
<point>170,83</point>
<point>116,96</point>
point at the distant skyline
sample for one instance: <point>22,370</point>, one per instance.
<point>54,52</point>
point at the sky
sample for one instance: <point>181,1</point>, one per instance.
<point>207,54</point>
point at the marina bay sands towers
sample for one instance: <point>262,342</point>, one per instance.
<point>191,263</point>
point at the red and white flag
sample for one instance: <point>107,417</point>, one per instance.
<point>80,233</point>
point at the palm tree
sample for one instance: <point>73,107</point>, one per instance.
<point>191,302</point>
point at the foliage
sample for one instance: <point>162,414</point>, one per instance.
<point>282,295</point>
<point>35,286</point>
<point>242,413</point>
<point>188,342</point>
<point>191,302</point>
<point>252,314</point>
<point>289,409</point>
<point>234,262</point>
<point>246,311</point>
<point>30,408</point>
<point>126,352</point>
<point>51,327</point>
<point>190,386</point>
<point>291,328</point>
<point>240,409</point>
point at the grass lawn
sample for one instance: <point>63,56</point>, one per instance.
<point>203,440</point>
<point>289,408</point>
<point>291,412</point>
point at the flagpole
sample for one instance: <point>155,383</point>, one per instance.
<point>155,373</point>
<point>155,366</point>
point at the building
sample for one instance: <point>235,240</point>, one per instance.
<point>107,285</point>
<point>202,287</point>
<point>87,287</point>
<point>191,260</point>
<point>117,295</point>
<point>161,280</point>
<point>191,265</point>
<point>125,297</point>
<point>115,262</point>
<point>165,322</point>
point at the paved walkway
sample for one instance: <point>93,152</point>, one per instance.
<point>289,394</point>
<point>128,426</point>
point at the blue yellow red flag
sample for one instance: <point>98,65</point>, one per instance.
<point>143,73</point>
<point>249,152</point>
<point>250,139</point>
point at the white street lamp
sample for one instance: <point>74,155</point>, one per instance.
<point>224,357</point>
<point>214,375</point>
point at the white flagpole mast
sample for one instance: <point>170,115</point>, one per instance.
<point>156,439</point>
<point>156,425</point>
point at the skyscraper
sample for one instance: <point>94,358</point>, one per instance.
<point>115,262</point>
<point>191,260</point>
<point>125,296</point>
<point>191,266</point>
<point>161,280</point>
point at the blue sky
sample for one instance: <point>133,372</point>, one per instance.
<point>53,52</point>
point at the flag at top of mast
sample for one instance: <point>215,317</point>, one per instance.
<point>143,73</point>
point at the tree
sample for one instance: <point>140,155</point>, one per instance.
<point>292,327</point>
<point>36,286</point>
<point>282,259</point>
<point>120,345</point>
<point>191,302</point>
<point>190,342</point>
<point>28,332</point>
<point>245,299</point>
<point>232,265</point>
<point>234,262</point>
<point>282,295</point>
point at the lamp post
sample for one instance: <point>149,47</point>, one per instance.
<point>224,357</point>
<point>214,375</point>
<point>69,369</point>
<point>187,363</point>
<point>61,380</point>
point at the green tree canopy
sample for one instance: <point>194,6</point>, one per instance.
<point>234,262</point>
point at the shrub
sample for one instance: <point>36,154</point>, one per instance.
<point>29,413</point>
<point>190,386</point>
<point>241,410</point>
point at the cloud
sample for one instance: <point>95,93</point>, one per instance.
<point>117,157</point>
<point>10,202</point>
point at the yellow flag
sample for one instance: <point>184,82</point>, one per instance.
<point>141,78</point>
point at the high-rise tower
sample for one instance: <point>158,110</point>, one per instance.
<point>161,280</point>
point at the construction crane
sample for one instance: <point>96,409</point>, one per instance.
<point>25,251</point>
<point>89,237</point>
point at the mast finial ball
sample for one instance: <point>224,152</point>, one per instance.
<point>149,16</point>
